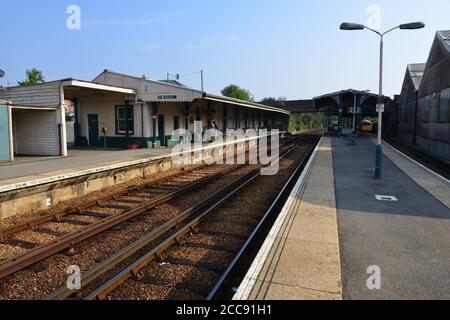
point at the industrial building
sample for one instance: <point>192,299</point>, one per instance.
<point>424,122</point>
<point>121,108</point>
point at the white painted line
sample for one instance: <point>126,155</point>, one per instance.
<point>419,164</point>
<point>247,285</point>
<point>386,198</point>
<point>77,174</point>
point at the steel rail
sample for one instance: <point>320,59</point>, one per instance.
<point>31,224</point>
<point>6,233</point>
<point>63,292</point>
<point>158,252</point>
<point>20,262</point>
<point>216,292</point>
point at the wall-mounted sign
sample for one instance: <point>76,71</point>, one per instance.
<point>167,97</point>
<point>380,107</point>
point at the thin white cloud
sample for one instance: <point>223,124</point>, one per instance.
<point>213,41</point>
<point>151,47</point>
<point>138,22</point>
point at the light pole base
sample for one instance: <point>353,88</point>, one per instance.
<point>378,156</point>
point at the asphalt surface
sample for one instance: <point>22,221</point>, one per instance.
<point>409,240</point>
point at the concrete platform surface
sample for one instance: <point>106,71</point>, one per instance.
<point>303,261</point>
<point>29,171</point>
<point>339,242</point>
<point>407,240</point>
<point>28,166</point>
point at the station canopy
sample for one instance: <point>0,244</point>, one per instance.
<point>332,102</point>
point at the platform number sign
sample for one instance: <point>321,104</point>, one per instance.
<point>352,109</point>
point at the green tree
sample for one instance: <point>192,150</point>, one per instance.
<point>234,91</point>
<point>34,76</point>
<point>306,121</point>
<point>271,101</point>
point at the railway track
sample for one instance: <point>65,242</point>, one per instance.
<point>104,214</point>
<point>194,260</point>
<point>439,167</point>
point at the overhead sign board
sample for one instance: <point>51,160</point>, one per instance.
<point>168,97</point>
<point>358,110</point>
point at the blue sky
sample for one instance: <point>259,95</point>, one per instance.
<point>288,48</point>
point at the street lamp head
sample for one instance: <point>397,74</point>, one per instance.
<point>347,26</point>
<point>412,26</point>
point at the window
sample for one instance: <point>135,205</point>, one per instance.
<point>121,123</point>
<point>444,105</point>
<point>426,109</point>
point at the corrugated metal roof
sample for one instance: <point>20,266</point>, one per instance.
<point>159,91</point>
<point>243,103</point>
<point>175,82</point>
<point>293,106</point>
<point>444,36</point>
<point>416,71</point>
<point>353,91</point>
<point>149,90</point>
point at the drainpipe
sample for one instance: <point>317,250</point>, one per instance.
<point>76,126</point>
<point>416,108</point>
<point>11,133</point>
<point>341,110</point>
<point>127,129</point>
<point>154,116</point>
<point>142,125</point>
<point>62,122</point>
<point>225,117</point>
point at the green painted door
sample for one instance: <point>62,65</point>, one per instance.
<point>161,131</point>
<point>5,147</point>
<point>94,138</point>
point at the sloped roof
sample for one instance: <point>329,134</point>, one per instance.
<point>293,106</point>
<point>159,90</point>
<point>174,82</point>
<point>247,104</point>
<point>416,71</point>
<point>444,37</point>
<point>352,91</point>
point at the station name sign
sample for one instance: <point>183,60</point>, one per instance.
<point>167,97</point>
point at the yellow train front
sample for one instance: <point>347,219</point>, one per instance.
<point>367,126</point>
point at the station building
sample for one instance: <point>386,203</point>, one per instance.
<point>121,108</point>
<point>424,121</point>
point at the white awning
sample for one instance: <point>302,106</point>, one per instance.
<point>245,104</point>
<point>95,86</point>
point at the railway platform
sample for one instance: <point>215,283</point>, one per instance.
<point>26,170</point>
<point>39,183</point>
<point>344,235</point>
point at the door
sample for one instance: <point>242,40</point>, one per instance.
<point>176,123</point>
<point>5,147</point>
<point>93,130</point>
<point>161,131</point>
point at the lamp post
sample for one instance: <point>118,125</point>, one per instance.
<point>380,104</point>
